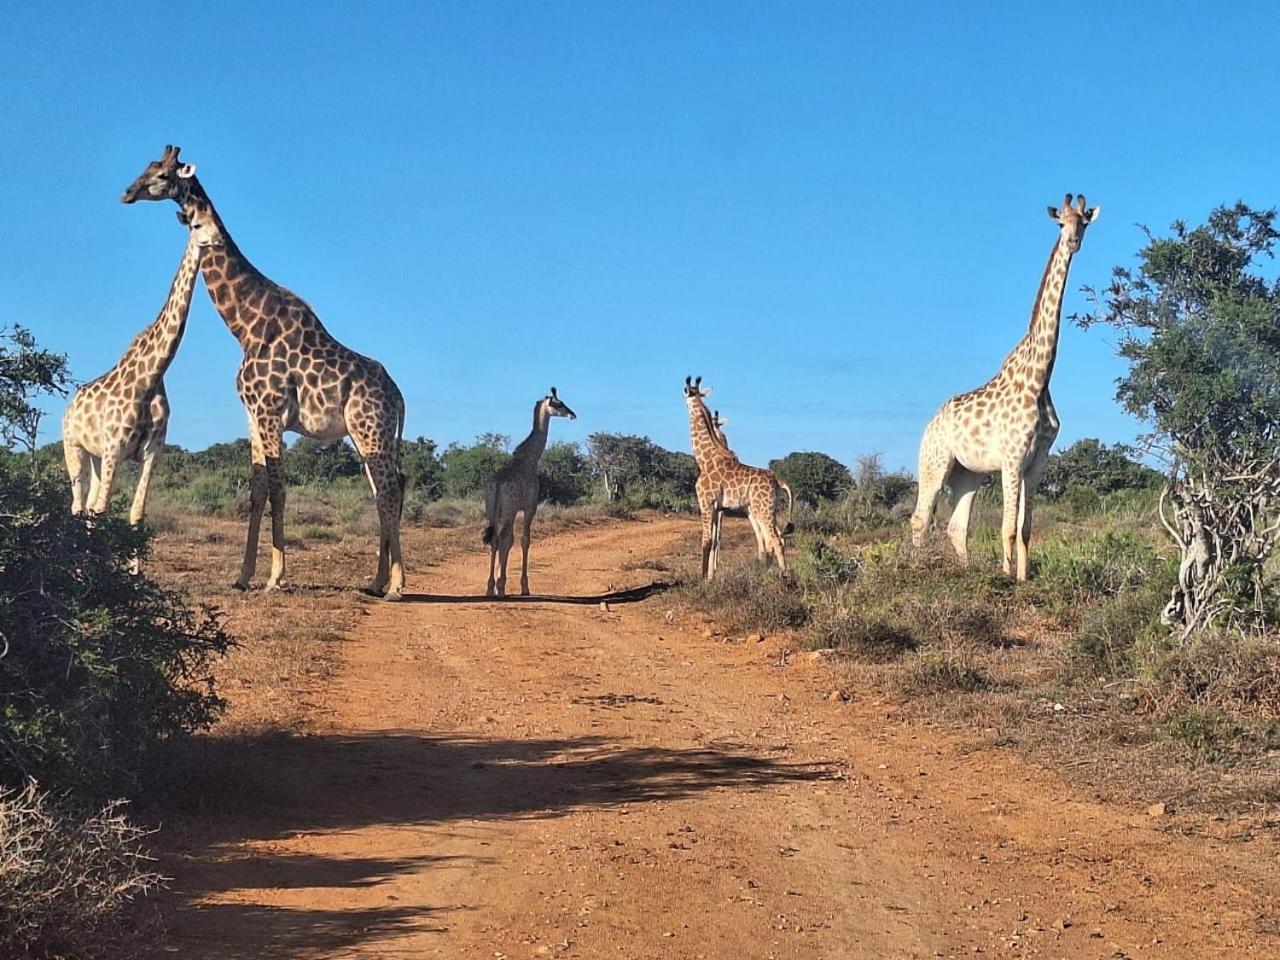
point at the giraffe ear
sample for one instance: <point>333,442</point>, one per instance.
<point>1053,213</point>
<point>186,171</point>
<point>1092,214</point>
<point>706,392</point>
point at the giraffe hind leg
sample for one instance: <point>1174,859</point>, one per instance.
<point>964,489</point>
<point>389,496</point>
<point>79,472</point>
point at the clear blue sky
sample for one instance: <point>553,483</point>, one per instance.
<point>834,213</point>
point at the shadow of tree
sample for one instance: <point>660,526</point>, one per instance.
<point>225,791</point>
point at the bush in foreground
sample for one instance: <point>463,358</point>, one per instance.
<point>65,880</point>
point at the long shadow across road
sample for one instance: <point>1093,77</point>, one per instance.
<point>630,595</point>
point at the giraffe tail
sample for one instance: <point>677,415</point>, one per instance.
<point>490,503</point>
<point>791,502</point>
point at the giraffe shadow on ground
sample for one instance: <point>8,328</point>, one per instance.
<point>630,595</point>
<point>230,802</point>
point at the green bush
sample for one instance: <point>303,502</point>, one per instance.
<point>100,665</point>
<point>813,477</point>
<point>751,597</point>
<point>564,475</point>
<point>1101,563</point>
<point>468,470</point>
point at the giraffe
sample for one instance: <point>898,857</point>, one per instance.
<point>717,425</point>
<point>515,490</point>
<point>1007,425</point>
<point>725,484</point>
<point>124,414</point>
<point>294,377</point>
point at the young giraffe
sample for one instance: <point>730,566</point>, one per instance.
<point>295,376</point>
<point>1007,425</point>
<point>515,490</point>
<point>725,483</point>
<point>124,414</point>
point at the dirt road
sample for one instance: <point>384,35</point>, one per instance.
<point>551,780</point>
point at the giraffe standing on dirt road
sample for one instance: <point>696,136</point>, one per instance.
<point>515,490</point>
<point>295,376</point>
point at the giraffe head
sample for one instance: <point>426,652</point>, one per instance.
<point>205,227</point>
<point>717,424</point>
<point>693,392</point>
<point>556,407</point>
<point>163,179</point>
<point>1073,220</point>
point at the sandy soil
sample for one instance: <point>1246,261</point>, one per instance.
<point>512,780</point>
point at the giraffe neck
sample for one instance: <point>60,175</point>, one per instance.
<point>228,274</point>
<point>706,445</point>
<point>531,447</point>
<point>1040,346</point>
<point>156,346</point>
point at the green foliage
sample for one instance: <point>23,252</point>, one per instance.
<point>311,461</point>
<point>468,470</point>
<point>1103,562</point>
<point>101,665</point>
<point>1089,466</point>
<point>813,477</point>
<point>422,469</point>
<point>564,475</point>
<point>877,499</point>
<point>25,371</point>
<point>639,473</point>
<point>1200,330</point>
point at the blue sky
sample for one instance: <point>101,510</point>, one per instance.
<point>834,213</point>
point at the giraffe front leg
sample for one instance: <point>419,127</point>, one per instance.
<point>762,554</point>
<point>707,515</point>
<point>388,494</point>
<point>110,462</point>
<point>79,468</point>
<point>524,550</point>
<point>276,492</point>
<point>258,490</point>
<point>717,521</point>
<point>1030,484</point>
<point>1011,481</point>
<point>138,511</point>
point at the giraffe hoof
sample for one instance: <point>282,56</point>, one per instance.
<point>240,585</point>
<point>393,596</point>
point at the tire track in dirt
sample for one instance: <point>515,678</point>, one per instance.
<point>524,780</point>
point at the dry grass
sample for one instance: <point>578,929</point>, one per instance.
<point>67,879</point>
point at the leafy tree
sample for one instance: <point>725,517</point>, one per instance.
<point>311,461</point>
<point>1089,464</point>
<point>564,475</point>
<point>468,470</point>
<point>637,470</point>
<point>813,476</point>
<point>25,371</point>
<point>422,469</point>
<point>1200,329</point>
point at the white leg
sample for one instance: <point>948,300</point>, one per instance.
<point>964,490</point>
<point>1011,481</point>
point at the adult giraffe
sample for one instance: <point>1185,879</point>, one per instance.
<point>1007,425</point>
<point>295,376</point>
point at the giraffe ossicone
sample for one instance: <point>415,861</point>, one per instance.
<point>514,490</point>
<point>1008,425</point>
<point>294,377</point>
<point>726,483</point>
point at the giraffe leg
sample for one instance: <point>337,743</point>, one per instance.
<point>964,489</point>
<point>762,554</point>
<point>706,512</point>
<point>506,537</point>
<point>95,481</point>
<point>79,469</point>
<point>385,479</point>
<point>717,521</point>
<point>150,454</point>
<point>276,492</point>
<point>493,559</point>
<point>1030,483</point>
<point>257,500</point>
<point>1011,481</point>
<point>110,461</point>
<point>524,548</point>
<point>934,464</point>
